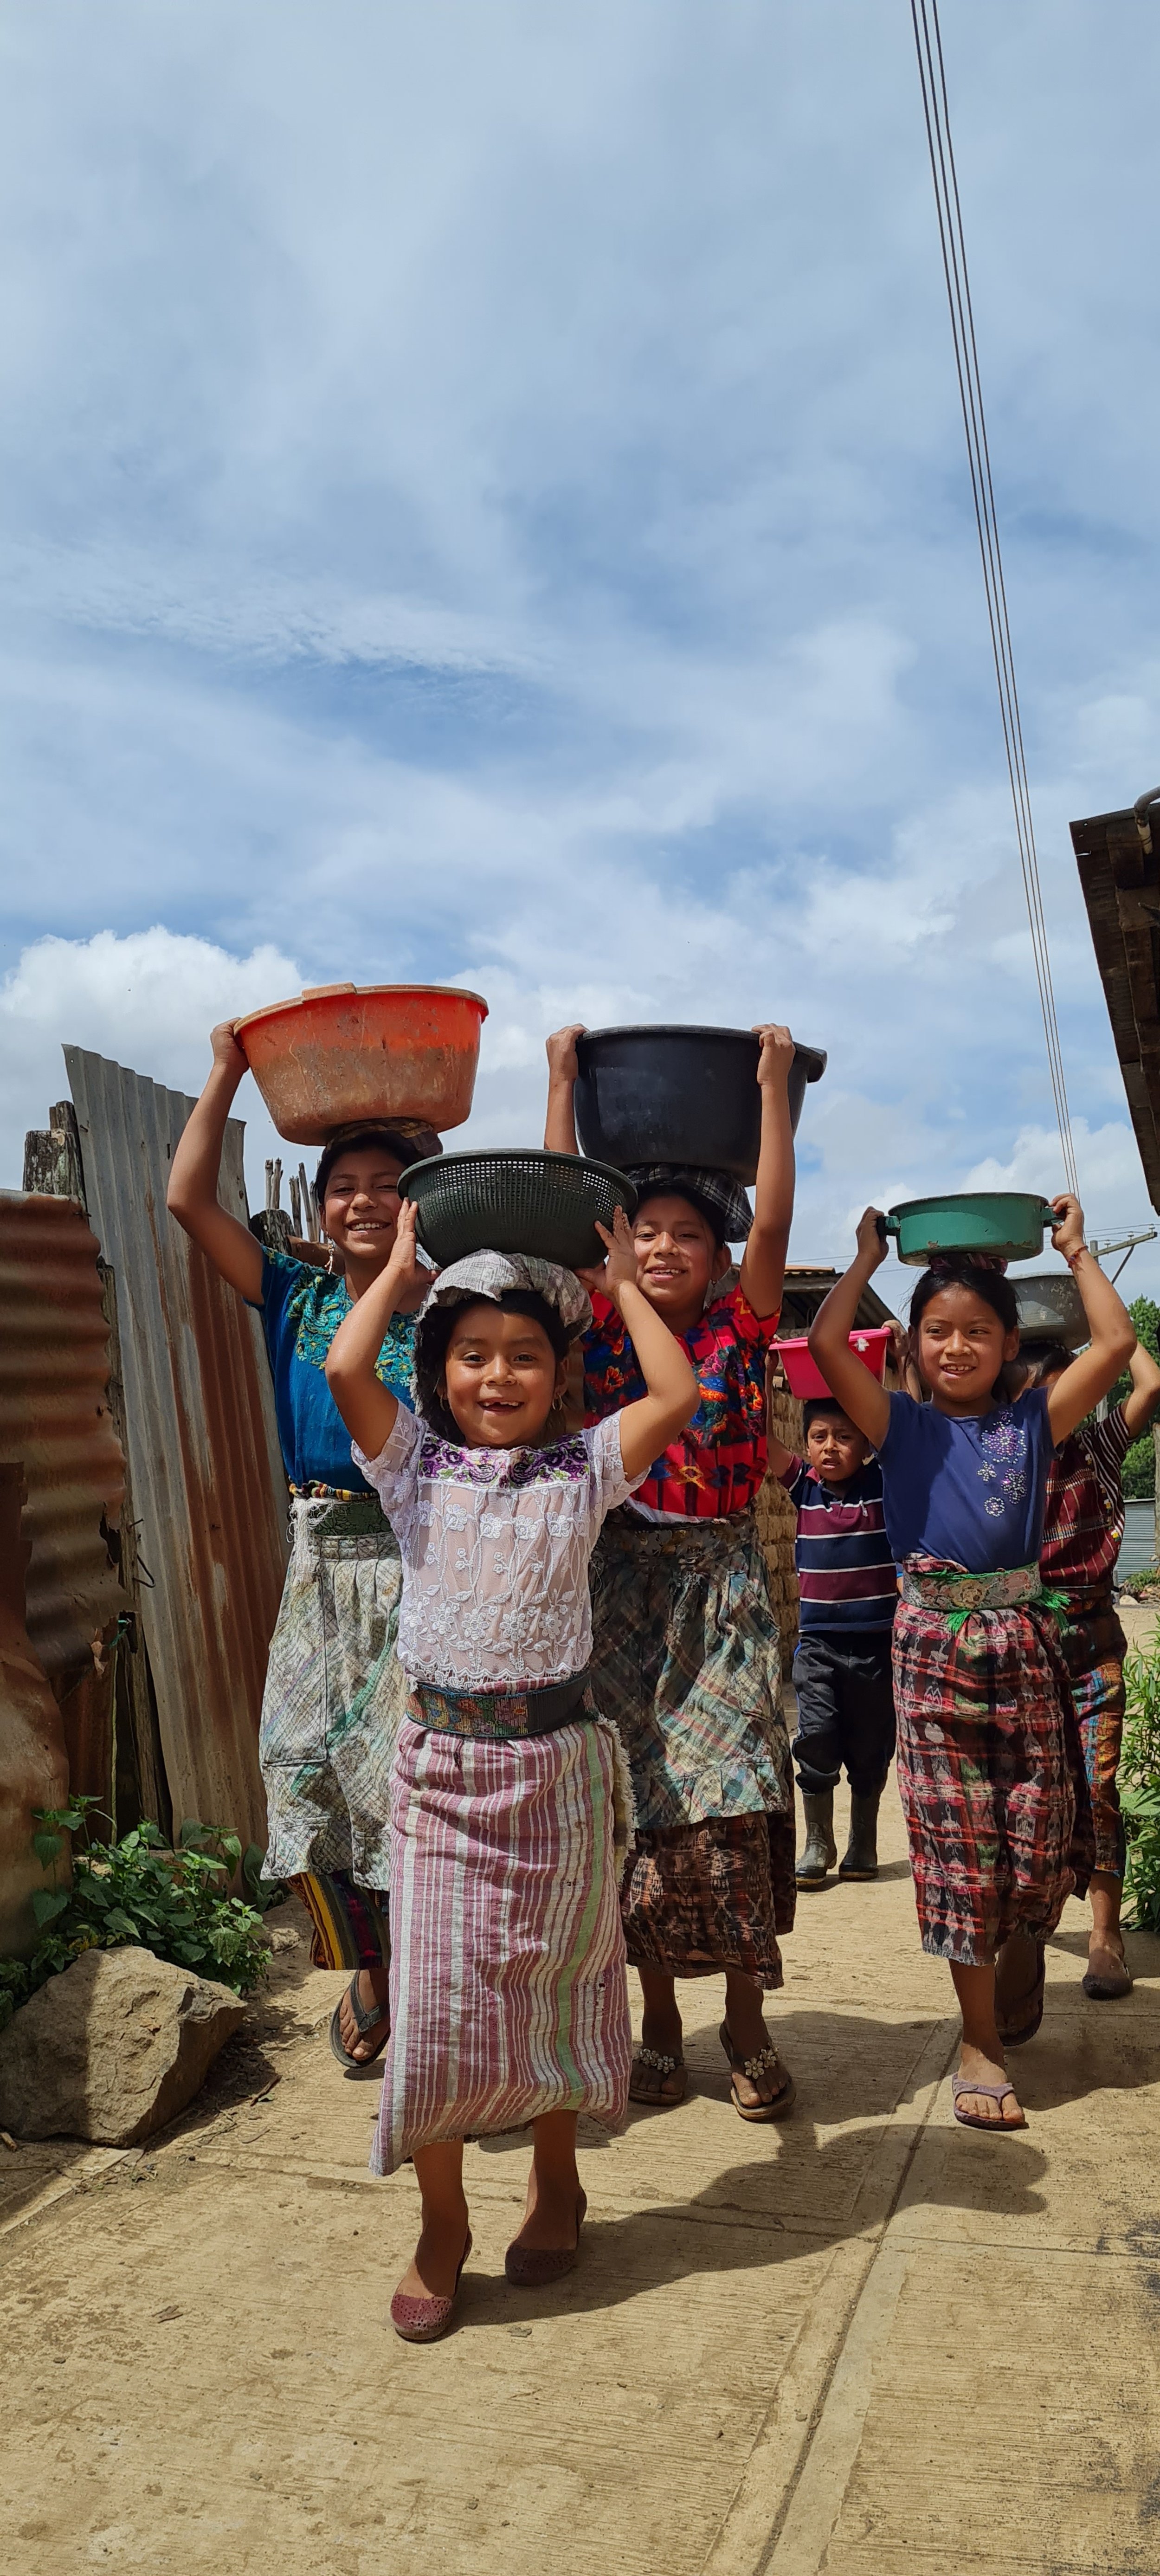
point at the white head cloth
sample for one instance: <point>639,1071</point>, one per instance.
<point>492,1274</point>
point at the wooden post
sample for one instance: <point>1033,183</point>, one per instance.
<point>52,1156</point>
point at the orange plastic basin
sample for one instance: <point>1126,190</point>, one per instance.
<point>344,1051</point>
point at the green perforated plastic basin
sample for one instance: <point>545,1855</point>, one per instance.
<point>1006,1223</point>
<point>518,1201</point>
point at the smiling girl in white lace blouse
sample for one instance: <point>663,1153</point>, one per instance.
<point>508,1991</point>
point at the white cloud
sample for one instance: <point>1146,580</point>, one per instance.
<point>483,497</point>
<point>147,1001</point>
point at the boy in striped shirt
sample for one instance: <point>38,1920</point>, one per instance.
<point>848,1590</point>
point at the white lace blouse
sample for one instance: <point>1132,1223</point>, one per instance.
<point>495,1546</point>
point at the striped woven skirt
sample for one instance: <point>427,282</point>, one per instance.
<point>508,1989</point>
<point>990,1770</point>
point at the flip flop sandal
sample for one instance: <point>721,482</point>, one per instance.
<point>365,2020</point>
<point>961,2084</point>
<point>762,2064</point>
<point>664,2066</point>
<point>1034,1997</point>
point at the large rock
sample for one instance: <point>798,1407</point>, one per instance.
<point>112,2048</point>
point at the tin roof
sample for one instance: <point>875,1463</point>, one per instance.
<point>209,1496</point>
<point>1118,856</point>
<point>807,1284</point>
<point>55,1422</point>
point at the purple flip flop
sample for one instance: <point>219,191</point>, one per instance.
<point>961,2084</point>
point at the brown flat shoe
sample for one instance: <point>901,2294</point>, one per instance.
<point>1108,1990</point>
<point>534,2267</point>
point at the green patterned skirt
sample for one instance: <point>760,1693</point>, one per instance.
<point>335,1693</point>
<point>687,1664</point>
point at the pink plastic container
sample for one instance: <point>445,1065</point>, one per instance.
<point>805,1380</point>
<point>344,1051</point>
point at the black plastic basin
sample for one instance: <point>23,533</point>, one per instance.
<point>678,1095</point>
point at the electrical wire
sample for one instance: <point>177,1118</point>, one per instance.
<point>932,75</point>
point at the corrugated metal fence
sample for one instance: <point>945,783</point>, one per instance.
<point>55,1420</point>
<point>57,1427</point>
<point>208,1493</point>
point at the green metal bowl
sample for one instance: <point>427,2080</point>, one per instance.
<point>537,1203</point>
<point>1008,1224</point>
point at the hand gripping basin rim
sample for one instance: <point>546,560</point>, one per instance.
<point>1007,1224</point>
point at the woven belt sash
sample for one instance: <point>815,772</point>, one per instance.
<point>339,1516</point>
<point>954,1593</point>
<point>708,1539</point>
<point>498,1716</point>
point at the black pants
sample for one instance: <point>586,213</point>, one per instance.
<point>845,1697</point>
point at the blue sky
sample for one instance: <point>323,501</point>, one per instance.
<point>484,497</point>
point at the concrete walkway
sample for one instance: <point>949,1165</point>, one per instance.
<point>865,2342</point>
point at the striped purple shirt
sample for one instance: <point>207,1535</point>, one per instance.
<point>845,1570</point>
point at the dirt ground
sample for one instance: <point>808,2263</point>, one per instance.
<point>865,2342</point>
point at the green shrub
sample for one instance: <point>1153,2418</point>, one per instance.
<point>136,1890</point>
<point>1140,1786</point>
<point>1140,1471</point>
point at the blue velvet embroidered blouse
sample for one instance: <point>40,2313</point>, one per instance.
<point>968,1491</point>
<point>302,1308</point>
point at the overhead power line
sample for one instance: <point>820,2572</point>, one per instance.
<point>932,74</point>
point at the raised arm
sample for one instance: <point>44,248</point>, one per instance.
<point>857,1392</point>
<point>192,1196</point>
<point>1113,1334</point>
<point>781,1459</point>
<point>673,1393</point>
<point>1139,1406</point>
<point>763,1267</point>
<point>563,1068</point>
<point>367,1407</point>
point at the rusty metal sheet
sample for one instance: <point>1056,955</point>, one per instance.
<point>55,1421</point>
<point>209,1496</point>
<point>1120,878</point>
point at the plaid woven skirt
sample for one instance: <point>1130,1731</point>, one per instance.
<point>686,1663</point>
<point>1095,1645</point>
<point>508,1988</point>
<point>334,1696</point>
<point>991,1776</point>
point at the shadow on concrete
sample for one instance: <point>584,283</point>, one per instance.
<point>720,2231</point>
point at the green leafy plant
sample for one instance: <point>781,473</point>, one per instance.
<point>1140,1470</point>
<point>262,1892</point>
<point>137,1890</point>
<point>1140,1786</point>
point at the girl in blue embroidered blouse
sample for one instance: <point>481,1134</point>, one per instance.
<point>324,1764</point>
<point>989,1762</point>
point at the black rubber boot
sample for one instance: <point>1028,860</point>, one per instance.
<point>861,1855</point>
<point>821,1850</point>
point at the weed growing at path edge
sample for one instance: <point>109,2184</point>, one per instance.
<point>1140,1786</point>
<point>137,1890</point>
